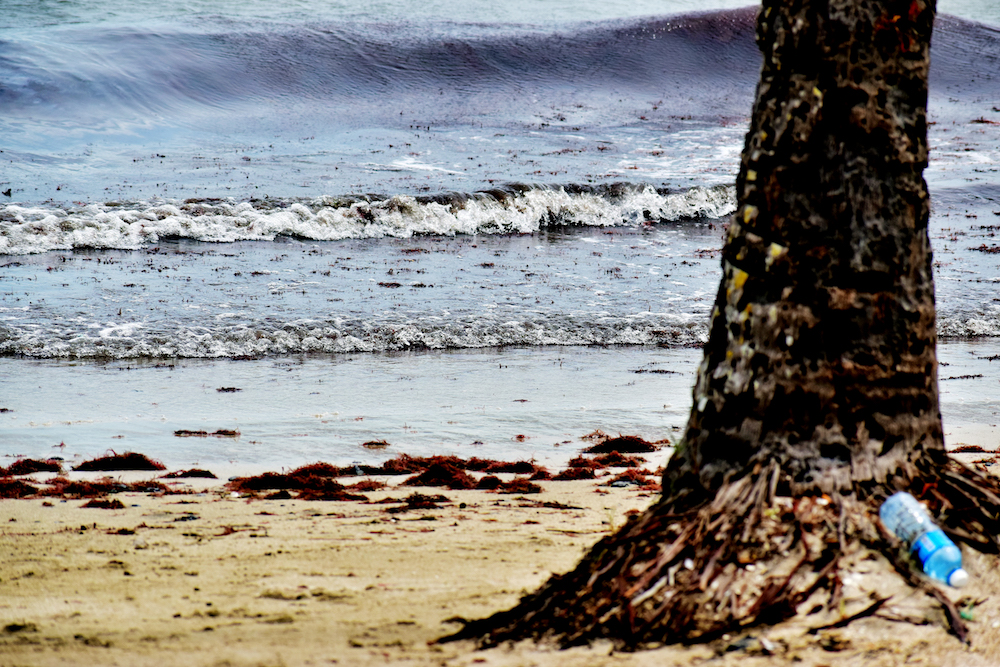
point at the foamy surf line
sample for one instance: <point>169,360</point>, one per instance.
<point>511,209</point>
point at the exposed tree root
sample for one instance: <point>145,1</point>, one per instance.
<point>746,556</point>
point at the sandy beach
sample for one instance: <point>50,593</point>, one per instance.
<point>213,578</point>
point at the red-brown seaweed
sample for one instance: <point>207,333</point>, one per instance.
<point>489,483</point>
<point>570,474</point>
<point>15,488</point>
<point>443,474</point>
<point>519,485</point>
<point>29,466</point>
<point>418,501</point>
<point>126,461</point>
<point>584,462</point>
<point>105,504</point>
<point>625,444</point>
<point>617,460</point>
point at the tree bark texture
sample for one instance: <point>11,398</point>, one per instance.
<point>817,396</point>
<point>821,353</point>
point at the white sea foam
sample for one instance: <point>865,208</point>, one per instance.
<point>328,337</point>
<point>27,230</point>
<point>968,327</point>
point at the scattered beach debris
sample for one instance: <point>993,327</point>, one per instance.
<point>961,449</point>
<point>228,390</point>
<point>596,434</point>
<point>115,461</point>
<point>30,466</point>
<point>193,472</point>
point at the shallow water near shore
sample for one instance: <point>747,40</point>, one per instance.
<point>437,225</point>
<point>512,404</point>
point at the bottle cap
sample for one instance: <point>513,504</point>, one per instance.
<point>958,578</point>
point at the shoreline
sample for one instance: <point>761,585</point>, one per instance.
<point>292,411</point>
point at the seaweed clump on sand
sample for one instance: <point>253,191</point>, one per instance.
<point>571,474</point>
<point>324,488</point>
<point>115,461</point>
<point>311,482</point>
<point>519,486</point>
<point>61,487</point>
<point>105,504</point>
<point>636,477</point>
<point>443,474</point>
<point>407,465</point>
<point>616,459</point>
<point>367,485</point>
<point>623,444</point>
<point>30,466</point>
<point>584,463</point>
<point>417,501</point>
<point>15,488</point>
<point>489,483</point>
<point>492,467</point>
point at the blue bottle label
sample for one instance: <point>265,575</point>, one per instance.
<point>929,543</point>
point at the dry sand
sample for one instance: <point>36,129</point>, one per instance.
<point>212,579</point>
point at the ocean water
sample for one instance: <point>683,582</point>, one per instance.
<point>444,224</point>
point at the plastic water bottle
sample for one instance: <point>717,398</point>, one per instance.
<point>909,521</point>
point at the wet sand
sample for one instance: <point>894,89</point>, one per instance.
<point>215,579</point>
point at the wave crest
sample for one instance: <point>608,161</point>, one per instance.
<point>513,209</point>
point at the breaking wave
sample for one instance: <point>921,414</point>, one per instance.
<point>511,210</point>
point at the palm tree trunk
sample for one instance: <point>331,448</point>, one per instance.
<point>822,346</point>
<point>817,396</point>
